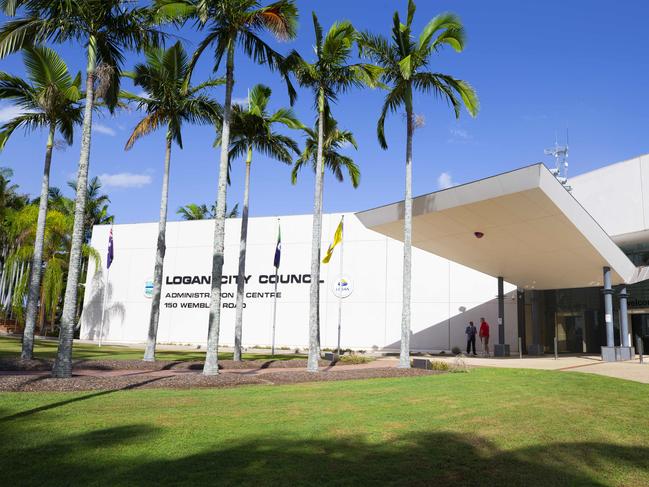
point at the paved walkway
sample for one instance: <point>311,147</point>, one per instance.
<point>592,364</point>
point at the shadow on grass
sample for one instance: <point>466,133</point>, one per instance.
<point>147,456</point>
<point>54,405</point>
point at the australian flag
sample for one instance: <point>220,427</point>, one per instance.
<point>111,254</point>
<point>278,248</point>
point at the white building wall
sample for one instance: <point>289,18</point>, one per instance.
<point>445,295</point>
<point>616,196</point>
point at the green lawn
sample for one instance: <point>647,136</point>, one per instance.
<point>10,347</point>
<point>489,427</point>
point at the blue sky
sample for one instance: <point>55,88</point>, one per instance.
<point>538,68</point>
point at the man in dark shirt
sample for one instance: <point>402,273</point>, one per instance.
<point>471,332</point>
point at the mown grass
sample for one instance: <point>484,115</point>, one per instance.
<point>488,427</point>
<point>10,347</point>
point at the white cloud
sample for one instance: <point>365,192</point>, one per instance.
<point>125,180</point>
<point>9,112</point>
<point>460,134</point>
<point>103,129</point>
<point>445,180</point>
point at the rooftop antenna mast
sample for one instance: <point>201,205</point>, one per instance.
<point>560,154</point>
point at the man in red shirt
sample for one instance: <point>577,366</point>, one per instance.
<point>484,336</point>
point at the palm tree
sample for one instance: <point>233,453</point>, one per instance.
<point>334,140</point>
<point>169,102</point>
<point>50,101</point>
<point>96,214</point>
<point>405,63</point>
<point>105,27</point>
<point>10,203</point>
<point>252,129</point>
<point>193,211</point>
<point>231,23</point>
<point>55,250</point>
<point>96,206</point>
<point>328,76</point>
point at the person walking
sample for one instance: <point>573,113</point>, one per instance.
<point>484,336</point>
<point>471,331</point>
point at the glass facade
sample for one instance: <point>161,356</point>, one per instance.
<point>576,318</point>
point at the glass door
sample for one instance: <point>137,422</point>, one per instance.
<point>640,327</point>
<point>570,332</point>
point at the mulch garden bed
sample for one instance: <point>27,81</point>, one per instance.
<point>43,383</point>
<point>16,364</point>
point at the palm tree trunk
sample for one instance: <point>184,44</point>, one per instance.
<point>149,353</point>
<point>404,357</point>
<point>211,366</point>
<point>314,290</point>
<point>63,363</point>
<point>37,258</point>
<point>41,311</point>
<point>81,291</point>
<point>241,278</point>
<point>12,284</point>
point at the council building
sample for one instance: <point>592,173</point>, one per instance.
<point>546,267</point>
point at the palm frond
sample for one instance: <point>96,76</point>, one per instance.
<point>395,98</point>
<point>144,127</point>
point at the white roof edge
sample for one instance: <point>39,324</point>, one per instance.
<point>446,198</point>
<point>525,178</point>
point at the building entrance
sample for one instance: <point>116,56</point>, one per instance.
<point>570,332</point>
<point>640,327</point>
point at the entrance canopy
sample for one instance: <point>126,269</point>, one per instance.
<point>522,225</point>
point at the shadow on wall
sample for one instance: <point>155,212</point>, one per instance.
<point>91,317</point>
<point>428,458</point>
<point>436,337</point>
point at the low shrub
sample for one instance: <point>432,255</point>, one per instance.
<point>439,365</point>
<point>459,365</point>
<point>456,350</point>
<point>354,359</point>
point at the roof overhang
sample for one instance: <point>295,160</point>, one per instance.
<point>535,233</point>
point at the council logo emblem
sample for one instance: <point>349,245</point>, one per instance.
<point>148,288</point>
<point>342,287</point>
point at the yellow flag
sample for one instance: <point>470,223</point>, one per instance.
<point>338,237</point>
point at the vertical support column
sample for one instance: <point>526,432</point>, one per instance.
<point>501,349</point>
<point>520,311</point>
<point>535,348</point>
<point>608,308</point>
<point>624,318</point>
<point>501,311</point>
<point>608,352</point>
<point>626,349</point>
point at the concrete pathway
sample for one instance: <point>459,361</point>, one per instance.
<point>592,364</point>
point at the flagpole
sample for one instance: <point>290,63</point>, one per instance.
<point>103,308</point>
<point>272,350</point>
<point>340,299</point>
